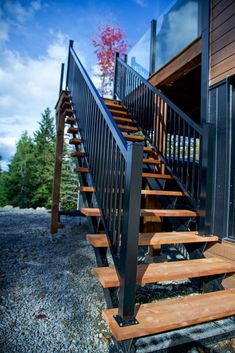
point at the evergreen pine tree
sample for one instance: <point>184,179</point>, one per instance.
<point>20,180</point>
<point>44,140</point>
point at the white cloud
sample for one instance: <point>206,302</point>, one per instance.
<point>27,87</point>
<point>21,13</point>
<point>13,15</point>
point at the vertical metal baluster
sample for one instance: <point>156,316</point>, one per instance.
<point>194,164</point>
<point>174,139</point>
<point>115,198</point>
<point>199,167</point>
<point>178,152</point>
<point>183,169</point>
<point>113,176</point>
<point>188,160</point>
<point>120,203</point>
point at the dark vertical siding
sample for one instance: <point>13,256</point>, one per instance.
<point>221,164</point>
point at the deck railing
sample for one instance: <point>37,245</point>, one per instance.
<point>177,138</point>
<point>115,167</point>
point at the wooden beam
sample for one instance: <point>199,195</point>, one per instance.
<point>180,65</point>
<point>58,164</point>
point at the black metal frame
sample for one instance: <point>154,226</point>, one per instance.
<point>176,137</point>
<point>115,167</point>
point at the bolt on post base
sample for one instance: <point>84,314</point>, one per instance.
<point>123,323</point>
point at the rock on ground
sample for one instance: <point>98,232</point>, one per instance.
<point>49,300</point>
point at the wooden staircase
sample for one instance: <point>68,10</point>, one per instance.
<point>158,185</point>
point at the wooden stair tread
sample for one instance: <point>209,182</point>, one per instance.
<point>151,161</point>
<point>157,176</point>
<point>168,213</point>
<point>74,141</point>
<point>134,138</point>
<point>70,120</point>
<point>123,120</point>
<point>143,192</point>
<point>100,240</point>
<point>77,154</point>
<point>115,106</point>
<point>167,271</point>
<point>69,112</point>
<point>95,212</point>
<point>112,100</point>
<point>166,315</point>
<point>86,188</point>
<point>72,130</point>
<point>118,112</point>
<point>81,170</point>
<point>66,104</point>
<point>162,193</point>
<point>128,128</point>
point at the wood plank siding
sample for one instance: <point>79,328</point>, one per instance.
<point>222,40</point>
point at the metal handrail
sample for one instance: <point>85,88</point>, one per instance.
<point>115,167</point>
<point>176,137</point>
<point>163,97</point>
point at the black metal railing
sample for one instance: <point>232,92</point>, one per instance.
<point>177,138</point>
<point>115,167</point>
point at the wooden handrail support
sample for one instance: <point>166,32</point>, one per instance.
<point>58,164</point>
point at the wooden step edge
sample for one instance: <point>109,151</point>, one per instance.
<point>161,238</point>
<point>143,192</point>
<point>170,314</point>
<point>111,100</point>
<point>118,111</point>
<point>118,119</point>
<point>86,188</point>
<point>74,141</point>
<point>67,105</point>
<point>81,170</point>
<point>128,128</point>
<point>95,212</point>
<point>78,154</point>
<point>162,193</point>
<point>168,213</point>
<point>115,106</point>
<point>70,120</point>
<point>72,130</point>
<point>134,138</point>
<point>167,271</point>
<point>69,112</point>
<point>152,161</point>
<point>157,176</point>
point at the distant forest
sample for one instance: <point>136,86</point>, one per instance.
<point>28,181</point>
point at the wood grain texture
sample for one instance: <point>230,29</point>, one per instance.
<point>166,315</point>
<point>72,130</point>
<point>75,141</point>
<point>167,271</point>
<point>123,120</point>
<point>128,128</point>
<point>95,212</point>
<point>222,40</point>
<point>134,138</point>
<point>157,176</point>
<point>145,239</point>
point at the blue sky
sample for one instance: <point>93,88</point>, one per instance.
<point>33,42</point>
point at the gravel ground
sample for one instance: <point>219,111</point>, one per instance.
<point>49,300</point>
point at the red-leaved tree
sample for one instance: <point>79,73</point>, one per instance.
<point>108,41</point>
